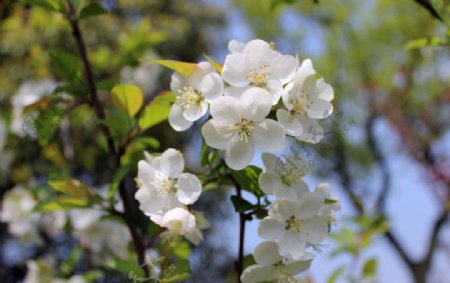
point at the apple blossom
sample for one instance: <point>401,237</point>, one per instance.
<point>307,99</point>
<point>163,185</point>
<point>270,265</point>
<point>180,222</point>
<point>294,224</point>
<point>282,178</point>
<point>257,64</point>
<point>238,126</point>
<point>193,94</point>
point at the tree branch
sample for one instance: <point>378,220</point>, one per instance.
<point>427,5</point>
<point>96,104</point>
<point>242,218</point>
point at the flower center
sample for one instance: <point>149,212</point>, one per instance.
<point>289,176</point>
<point>189,96</point>
<point>244,129</point>
<point>175,227</point>
<point>294,224</point>
<point>163,185</point>
<point>302,104</point>
<point>258,76</point>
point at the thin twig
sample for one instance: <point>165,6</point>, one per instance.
<point>96,104</point>
<point>242,219</point>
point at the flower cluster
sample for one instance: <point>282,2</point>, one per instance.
<point>250,85</point>
<point>297,219</point>
<point>165,192</point>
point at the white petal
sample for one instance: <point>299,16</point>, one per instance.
<point>177,120</point>
<point>309,206</point>
<point>320,109</point>
<point>258,273</point>
<point>276,90</point>
<point>270,161</point>
<point>189,188</point>
<point>239,155</point>
<point>256,103</point>
<point>269,135</point>
<point>145,172</point>
<point>283,68</point>
<point>217,134</point>
<point>195,112</point>
<point>235,46</point>
<point>292,245</point>
<point>266,253</point>
<point>235,70</point>
<point>170,162</point>
<point>235,91</point>
<point>312,131</point>
<point>225,108</point>
<point>270,229</point>
<point>324,90</point>
<point>267,182</point>
<point>283,209</point>
<point>206,67</point>
<point>292,126</point>
<point>211,86</point>
<point>259,52</point>
<point>315,229</point>
<point>298,267</point>
<point>177,82</point>
<point>306,69</point>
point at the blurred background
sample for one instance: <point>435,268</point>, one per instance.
<point>386,151</point>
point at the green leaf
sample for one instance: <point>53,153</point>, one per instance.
<point>72,188</point>
<point>186,69</point>
<point>216,65</point>
<point>178,271</point>
<point>442,7</point>
<point>92,9</point>
<point>92,275</point>
<point>51,5</point>
<point>247,178</point>
<point>182,250</point>
<point>120,174</point>
<point>68,265</point>
<point>65,65</point>
<point>129,267</point>
<point>275,3</point>
<point>424,42</point>
<point>47,123</point>
<point>330,201</point>
<point>118,123</point>
<point>248,260</point>
<point>60,203</point>
<point>240,204</point>
<point>370,268</point>
<point>127,98</point>
<point>148,142</point>
<point>157,111</point>
<point>336,274</point>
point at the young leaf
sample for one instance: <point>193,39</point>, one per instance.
<point>60,203</point>
<point>216,65</point>
<point>240,204</point>
<point>51,5</point>
<point>127,98</point>
<point>186,69</point>
<point>370,268</point>
<point>178,271</point>
<point>157,111</point>
<point>92,9</point>
<point>247,178</point>
<point>72,188</point>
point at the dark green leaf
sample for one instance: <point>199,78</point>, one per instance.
<point>370,268</point>
<point>240,204</point>
<point>92,9</point>
<point>248,179</point>
<point>65,65</point>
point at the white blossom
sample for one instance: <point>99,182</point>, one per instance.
<point>193,94</point>
<point>282,178</point>
<point>238,126</point>
<point>307,99</point>
<point>103,237</point>
<point>27,94</point>
<point>270,265</point>
<point>257,64</point>
<point>180,222</point>
<point>294,224</point>
<point>145,75</point>
<point>164,186</point>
